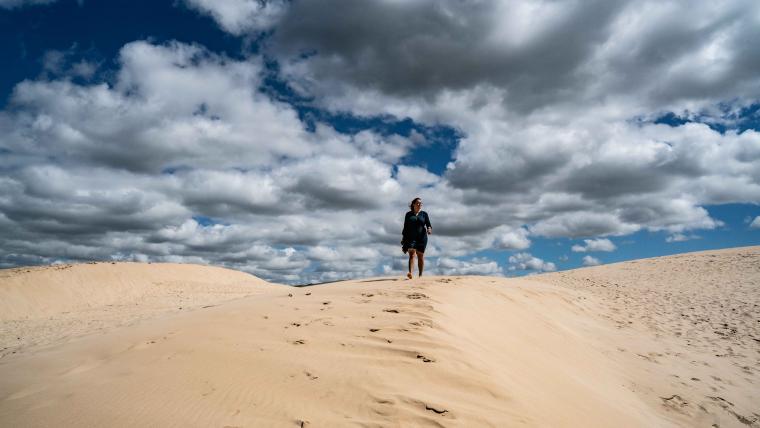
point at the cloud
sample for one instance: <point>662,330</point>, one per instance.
<point>680,237</point>
<point>171,106</point>
<point>755,223</point>
<point>579,223</point>
<point>554,105</point>
<point>356,183</point>
<point>476,266</point>
<point>68,64</point>
<point>123,169</point>
<point>412,176</point>
<point>592,52</point>
<point>241,16</point>
<point>370,44</point>
<point>526,261</point>
<point>515,94</point>
<point>512,239</point>
<point>601,244</point>
<point>591,261</point>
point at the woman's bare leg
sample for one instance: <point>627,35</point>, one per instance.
<point>411,262</point>
<point>420,262</point>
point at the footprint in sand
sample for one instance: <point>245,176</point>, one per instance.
<point>298,342</point>
<point>421,323</point>
<point>648,358</point>
<point>437,409</point>
<point>425,359</point>
<point>440,411</point>
<point>325,321</point>
<point>721,401</point>
<point>416,296</point>
<point>393,311</point>
<point>675,402</point>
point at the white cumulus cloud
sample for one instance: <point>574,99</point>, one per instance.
<point>591,261</point>
<point>601,244</point>
<point>241,16</point>
<point>476,266</point>
<point>680,237</point>
<point>526,261</point>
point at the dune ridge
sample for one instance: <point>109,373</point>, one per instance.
<point>42,305</point>
<point>549,350</point>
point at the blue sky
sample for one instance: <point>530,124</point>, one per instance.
<point>284,140</point>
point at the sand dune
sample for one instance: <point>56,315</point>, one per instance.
<point>550,350</point>
<point>44,305</point>
<point>688,328</point>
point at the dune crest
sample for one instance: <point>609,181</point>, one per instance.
<point>549,350</point>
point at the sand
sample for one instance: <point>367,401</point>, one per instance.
<point>638,344</point>
<point>47,305</point>
<point>687,327</point>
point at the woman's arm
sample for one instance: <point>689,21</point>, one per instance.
<point>428,226</point>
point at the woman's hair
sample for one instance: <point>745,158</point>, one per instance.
<point>411,204</point>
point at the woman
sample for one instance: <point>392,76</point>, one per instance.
<point>414,236</point>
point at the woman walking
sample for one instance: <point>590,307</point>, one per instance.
<point>414,236</point>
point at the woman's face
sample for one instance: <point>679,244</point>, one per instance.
<point>417,205</point>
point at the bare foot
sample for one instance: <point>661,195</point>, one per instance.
<point>409,275</point>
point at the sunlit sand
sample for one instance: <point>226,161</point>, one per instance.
<point>670,341</point>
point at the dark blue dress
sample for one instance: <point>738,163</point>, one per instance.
<point>414,234</point>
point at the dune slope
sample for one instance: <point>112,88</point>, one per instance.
<point>440,351</point>
<point>686,327</point>
<point>44,305</point>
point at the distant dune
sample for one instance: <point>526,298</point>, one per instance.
<point>41,305</point>
<point>670,341</point>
